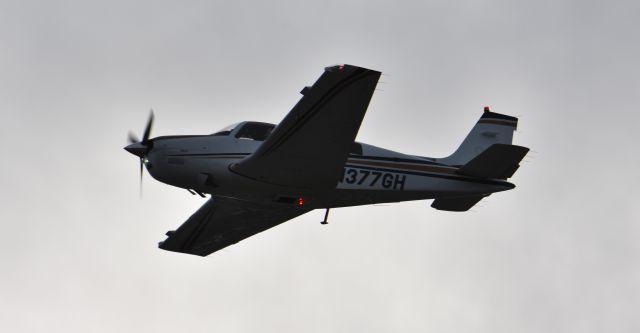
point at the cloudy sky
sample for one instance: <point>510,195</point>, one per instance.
<point>558,254</point>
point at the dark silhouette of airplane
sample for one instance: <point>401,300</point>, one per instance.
<point>260,175</point>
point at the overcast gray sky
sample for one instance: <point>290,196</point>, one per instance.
<point>560,253</point>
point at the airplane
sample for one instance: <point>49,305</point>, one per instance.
<point>259,175</point>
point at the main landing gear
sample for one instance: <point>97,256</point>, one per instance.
<point>326,215</point>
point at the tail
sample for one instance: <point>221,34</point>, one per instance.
<point>486,152</point>
<point>492,128</point>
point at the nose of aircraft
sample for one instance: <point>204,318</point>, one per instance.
<point>137,149</point>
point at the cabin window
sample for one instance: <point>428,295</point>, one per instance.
<point>255,131</point>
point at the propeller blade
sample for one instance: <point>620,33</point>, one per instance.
<point>132,138</point>
<point>141,148</point>
<point>147,130</point>
<point>141,172</point>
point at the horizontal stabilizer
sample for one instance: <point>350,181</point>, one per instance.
<point>499,161</point>
<point>458,204</point>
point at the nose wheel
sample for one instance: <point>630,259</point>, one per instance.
<point>326,216</point>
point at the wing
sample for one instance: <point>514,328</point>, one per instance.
<point>221,222</point>
<point>309,148</point>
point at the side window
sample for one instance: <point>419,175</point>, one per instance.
<point>255,131</point>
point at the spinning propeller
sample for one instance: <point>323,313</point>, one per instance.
<point>141,148</point>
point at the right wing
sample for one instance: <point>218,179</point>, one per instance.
<point>221,222</point>
<point>309,148</point>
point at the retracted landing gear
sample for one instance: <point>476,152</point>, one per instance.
<point>326,215</point>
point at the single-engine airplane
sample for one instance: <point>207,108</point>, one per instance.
<point>260,175</point>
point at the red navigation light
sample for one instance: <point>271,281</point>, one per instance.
<point>486,109</point>
<point>300,202</point>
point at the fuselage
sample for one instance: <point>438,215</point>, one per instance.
<point>203,163</point>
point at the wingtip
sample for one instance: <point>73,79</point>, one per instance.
<point>347,68</point>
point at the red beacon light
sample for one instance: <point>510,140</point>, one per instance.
<point>300,202</point>
<point>486,109</point>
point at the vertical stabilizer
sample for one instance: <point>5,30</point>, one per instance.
<point>490,129</point>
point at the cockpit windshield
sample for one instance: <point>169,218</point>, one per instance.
<point>255,131</point>
<point>226,130</point>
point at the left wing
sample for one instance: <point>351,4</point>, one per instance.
<point>221,222</point>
